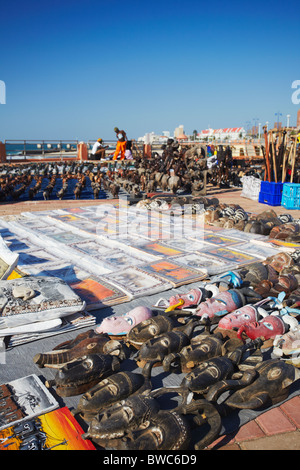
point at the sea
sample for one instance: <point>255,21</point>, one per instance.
<point>18,149</point>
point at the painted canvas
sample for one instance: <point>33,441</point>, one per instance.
<point>184,244</point>
<point>256,249</point>
<point>98,293</point>
<point>220,240</point>
<point>232,255</point>
<point>136,282</point>
<point>56,430</point>
<point>207,263</point>
<point>173,272</point>
<point>66,237</point>
<point>95,248</point>
<point>160,250</point>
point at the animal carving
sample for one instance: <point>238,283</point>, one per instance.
<point>112,389</point>
<point>271,385</point>
<point>81,375</point>
<point>84,344</point>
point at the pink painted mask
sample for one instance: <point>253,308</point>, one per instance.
<point>120,325</point>
<point>238,318</point>
<point>191,299</point>
<point>268,328</point>
<point>221,304</point>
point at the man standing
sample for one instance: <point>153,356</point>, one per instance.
<point>98,151</point>
<point>121,144</point>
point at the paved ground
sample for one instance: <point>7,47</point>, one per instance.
<point>276,429</point>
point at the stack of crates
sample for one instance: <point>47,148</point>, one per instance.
<point>291,196</point>
<point>270,193</point>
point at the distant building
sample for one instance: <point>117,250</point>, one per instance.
<point>179,131</point>
<point>277,125</point>
<point>298,118</point>
<point>151,137</point>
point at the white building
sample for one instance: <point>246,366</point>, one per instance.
<point>151,137</point>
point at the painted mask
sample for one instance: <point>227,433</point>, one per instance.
<point>268,328</point>
<point>191,299</point>
<point>221,304</point>
<point>238,318</point>
<point>121,324</point>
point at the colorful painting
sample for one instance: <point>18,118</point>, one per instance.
<point>232,255</point>
<point>56,430</point>
<point>283,244</point>
<point>175,273</point>
<point>220,240</point>
<point>98,294</point>
<point>159,250</point>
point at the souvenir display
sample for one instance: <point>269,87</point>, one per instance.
<point>210,318</point>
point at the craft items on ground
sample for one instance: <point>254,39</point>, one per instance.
<point>219,341</point>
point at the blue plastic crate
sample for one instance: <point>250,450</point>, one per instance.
<point>271,188</point>
<point>291,196</point>
<point>270,199</point>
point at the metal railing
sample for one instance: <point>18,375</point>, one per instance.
<point>32,148</point>
<point>23,149</point>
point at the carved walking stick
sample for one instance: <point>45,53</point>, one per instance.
<point>268,171</point>
<point>274,157</point>
<point>293,160</point>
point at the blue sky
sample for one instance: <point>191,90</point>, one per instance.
<point>76,69</point>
